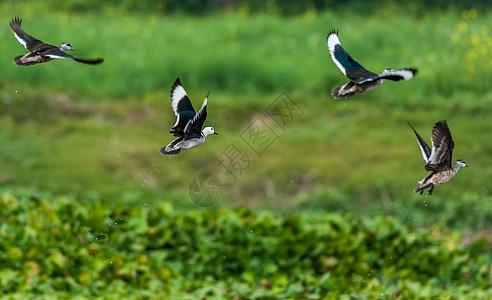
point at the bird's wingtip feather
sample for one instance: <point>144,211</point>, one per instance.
<point>16,20</point>
<point>332,31</point>
<point>176,83</point>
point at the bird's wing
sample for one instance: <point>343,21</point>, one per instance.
<point>424,148</point>
<point>194,127</point>
<point>29,42</point>
<point>57,53</point>
<point>397,75</point>
<point>179,99</point>
<point>181,104</point>
<point>90,61</point>
<point>442,148</point>
<point>347,65</point>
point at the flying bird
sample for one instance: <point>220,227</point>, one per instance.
<point>361,80</point>
<point>438,158</point>
<point>188,126</point>
<point>40,52</point>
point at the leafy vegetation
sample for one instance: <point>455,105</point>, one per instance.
<point>65,246</point>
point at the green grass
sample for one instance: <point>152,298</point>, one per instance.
<point>248,54</point>
<point>71,128</point>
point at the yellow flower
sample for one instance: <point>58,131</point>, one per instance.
<point>469,14</point>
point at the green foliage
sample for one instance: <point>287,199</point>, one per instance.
<point>66,246</point>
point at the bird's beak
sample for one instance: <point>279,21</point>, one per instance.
<point>72,49</point>
<point>466,166</point>
<point>216,133</point>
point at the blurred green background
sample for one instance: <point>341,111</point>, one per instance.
<point>94,132</point>
<point>78,129</point>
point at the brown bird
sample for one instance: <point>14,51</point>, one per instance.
<point>41,52</point>
<point>438,158</point>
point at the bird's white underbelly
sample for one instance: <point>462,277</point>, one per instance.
<point>189,144</point>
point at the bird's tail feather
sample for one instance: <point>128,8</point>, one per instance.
<point>169,152</point>
<point>343,91</point>
<point>20,62</point>
<point>422,187</point>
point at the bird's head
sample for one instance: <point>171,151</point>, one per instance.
<point>461,164</point>
<point>66,47</point>
<point>208,131</point>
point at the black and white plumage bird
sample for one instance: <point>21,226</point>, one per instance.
<point>361,80</point>
<point>188,126</point>
<point>438,158</point>
<point>41,52</point>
